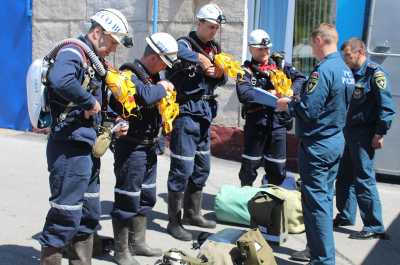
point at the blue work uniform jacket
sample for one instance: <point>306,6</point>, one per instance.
<point>190,81</point>
<point>65,79</point>
<point>321,109</point>
<point>371,105</point>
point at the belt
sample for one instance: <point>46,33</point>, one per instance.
<point>184,98</point>
<point>141,141</point>
<point>256,109</point>
<point>209,97</point>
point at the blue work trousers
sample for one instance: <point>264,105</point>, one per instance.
<point>318,165</point>
<point>190,153</point>
<point>135,169</point>
<point>264,144</point>
<point>356,182</point>
<point>74,187</point>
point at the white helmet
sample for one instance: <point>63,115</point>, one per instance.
<point>113,22</point>
<point>165,46</point>
<point>211,13</point>
<point>259,39</point>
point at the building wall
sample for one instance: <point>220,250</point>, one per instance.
<point>56,20</point>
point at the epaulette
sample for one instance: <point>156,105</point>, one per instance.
<point>372,66</point>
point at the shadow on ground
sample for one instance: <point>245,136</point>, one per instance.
<point>21,255</point>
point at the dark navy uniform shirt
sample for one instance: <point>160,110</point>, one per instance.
<point>321,110</point>
<point>244,87</point>
<point>371,105</point>
<point>191,85</point>
<point>147,121</point>
<point>65,86</point>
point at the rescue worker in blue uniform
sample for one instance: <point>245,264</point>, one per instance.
<point>320,113</point>
<point>135,155</point>
<point>369,118</point>
<point>74,172</point>
<point>195,81</point>
<point>264,130</point>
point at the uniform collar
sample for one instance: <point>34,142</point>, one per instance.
<point>85,39</point>
<point>154,78</point>
<point>330,56</point>
<point>193,35</point>
<point>361,71</point>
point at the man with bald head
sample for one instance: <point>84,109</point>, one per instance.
<point>320,113</point>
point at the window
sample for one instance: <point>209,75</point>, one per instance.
<point>308,15</point>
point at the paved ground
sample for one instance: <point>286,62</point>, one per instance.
<point>24,202</point>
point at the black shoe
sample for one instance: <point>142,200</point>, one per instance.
<point>363,235</point>
<point>303,255</point>
<point>339,222</point>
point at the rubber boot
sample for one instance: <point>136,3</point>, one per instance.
<point>175,228</point>
<point>50,256</point>
<point>192,208</point>
<point>81,250</point>
<point>122,255</point>
<point>137,239</point>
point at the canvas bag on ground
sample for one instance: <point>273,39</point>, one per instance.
<point>254,249</point>
<point>231,205</point>
<point>294,208</point>
<point>234,246</point>
<point>269,213</point>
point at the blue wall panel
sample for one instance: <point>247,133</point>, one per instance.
<point>350,17</point>
<point>15,58</point>
<point>273,20</point>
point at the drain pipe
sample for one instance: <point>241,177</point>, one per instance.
<point>155,16</point>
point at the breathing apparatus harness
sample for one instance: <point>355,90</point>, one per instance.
<point>91,65</point>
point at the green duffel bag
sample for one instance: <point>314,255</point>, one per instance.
<point>231,204</point>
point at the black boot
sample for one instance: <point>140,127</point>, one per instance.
<point>302,255</point>
<point>122,255</point>
<point>192,208</point>
<point>137,238</point>
<point>81,250</point>
<point>50,256</point>
<point>175,228</point>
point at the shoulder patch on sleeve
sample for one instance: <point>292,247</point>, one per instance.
<point>380,79</point>
<point>312,82</point>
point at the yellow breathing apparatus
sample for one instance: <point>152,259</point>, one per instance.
<point>230,66</point>
<point>281,83</point>
<point>123,89</point>
<point>169,110</point>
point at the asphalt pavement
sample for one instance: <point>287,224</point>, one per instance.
<point>24,193</point>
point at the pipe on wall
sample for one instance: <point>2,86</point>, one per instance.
<point>155,16</point>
